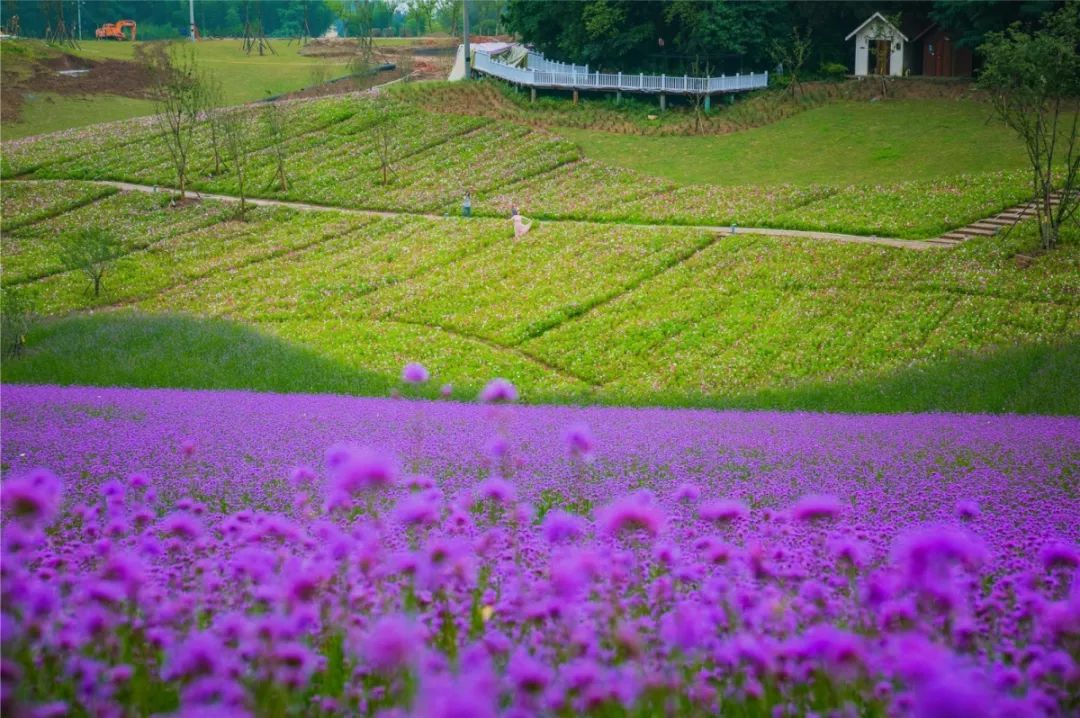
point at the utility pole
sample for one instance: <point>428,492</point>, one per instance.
<point>191,14</point>
<point>465,33</point>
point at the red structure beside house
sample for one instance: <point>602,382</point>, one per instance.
<point>940,55</point>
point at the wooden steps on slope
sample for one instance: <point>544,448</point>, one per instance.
<point>991,226</point>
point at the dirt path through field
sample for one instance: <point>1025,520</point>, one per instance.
<point>305,206</point>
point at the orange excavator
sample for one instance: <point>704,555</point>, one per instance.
<point>115,30</point>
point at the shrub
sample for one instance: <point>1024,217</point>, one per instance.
<point>834,70</point>
<point>92,251</point>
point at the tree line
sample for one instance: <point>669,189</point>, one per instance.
<point>168,19</point>
<point>677,36</point>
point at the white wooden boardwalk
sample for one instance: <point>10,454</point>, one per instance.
<point>543,73</point>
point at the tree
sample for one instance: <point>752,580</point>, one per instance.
<point>92,251</point>
<point>274,123</point>
<point>359,18</point>
<point>419,14</point>
<point>970,22</point>
<point>384,144</point>
<point>236,138</point>
<point>792,54</point>
<point>214,102</point>
<point>179,97</point>
<point>1034,82</point>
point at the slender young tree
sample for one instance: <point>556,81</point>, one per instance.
<point>276,132</point>
<point>214,103</point>
<point>1034,81</point>
<point>792,52</point>
<point>384,142</point>
<point>237,142</point>
<point>179,99</point>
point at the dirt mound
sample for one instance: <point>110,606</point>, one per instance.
<point>117,77</point>
<point>42,74</point>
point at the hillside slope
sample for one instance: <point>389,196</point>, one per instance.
<point>576,311</point>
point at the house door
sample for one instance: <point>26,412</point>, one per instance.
<point>882,52</point>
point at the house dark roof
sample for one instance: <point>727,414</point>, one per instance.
<point>929,28</point>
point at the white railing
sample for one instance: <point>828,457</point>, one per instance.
<point>540,72</point>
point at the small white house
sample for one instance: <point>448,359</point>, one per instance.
<point>879,47</point>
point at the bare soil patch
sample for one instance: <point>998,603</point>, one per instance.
<point>117,77</point>
<point>42,75</point>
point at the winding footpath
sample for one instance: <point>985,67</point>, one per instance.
<point>305,206</point>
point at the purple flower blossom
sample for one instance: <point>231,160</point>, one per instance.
<point>930,552</point>
<point>499,491</point>
<point>687,492</point>
<point>528,675</point>
<point>562,527</point>
<point>579,441</point>
<point>359,470</point>
<point>634,514</point>
<point>199,655</point>
<point>33,498</point>
<point>417,510</point>
<point>391,643</point>
<point>498,391</point>
<point>949,696</point>
<point>415,373</point>
<point>967,510</point>
<point>1059,555</point>
<point>816,508</point>
<point>685,627</point>
<point>723,511</point>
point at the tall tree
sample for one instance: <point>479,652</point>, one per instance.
<point>791,53</point>
<point>179,96</point>
<point>276,134</point>
<point>237,142</point>
<point>1034,80</point>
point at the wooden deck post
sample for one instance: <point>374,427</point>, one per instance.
<point>575,96</point>
<point>532,94</point>
<point>708,102</point>
<point>663,102</point>
<point>618,97</point>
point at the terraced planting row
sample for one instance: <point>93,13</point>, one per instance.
<point>336,150</point>
<point>24,203</point>
<point>573,310</point>
<point>336,147</point>
<point>912,210</point>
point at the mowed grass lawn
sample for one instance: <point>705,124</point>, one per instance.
<point>244,78</point>
<point>577,311</point>
<point>871,143</point>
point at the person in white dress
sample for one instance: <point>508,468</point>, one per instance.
<point>521,227</point>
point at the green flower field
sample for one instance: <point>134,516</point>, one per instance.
<point>575,311</point>
<point>336,148</point>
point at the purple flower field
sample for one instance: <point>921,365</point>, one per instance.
<point>227,553</point>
